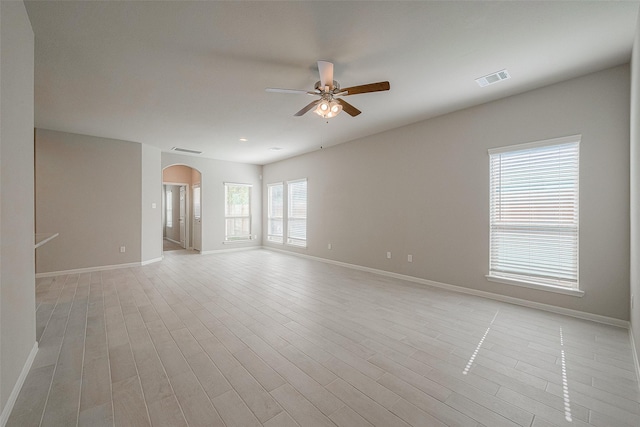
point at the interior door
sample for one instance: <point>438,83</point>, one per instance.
<point>183,210</point>
<point>197,218</point>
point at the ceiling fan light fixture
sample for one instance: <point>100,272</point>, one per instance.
<point>328,108</point>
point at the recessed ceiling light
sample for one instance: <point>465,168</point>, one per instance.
<point>275,148</point>
<point>492,78</point>
<point>243,139</point>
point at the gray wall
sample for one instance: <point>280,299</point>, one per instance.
<point>214,174</point>
<point>635,190</point>
<point>151,239</point>
<point>89,190</point>
<point>423,190</point>
<point>17,281</point>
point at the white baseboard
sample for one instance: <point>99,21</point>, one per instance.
<point>173,241</point>
<point>131,264</point>
<point>634,350</point>
<point>220,251</point>
<point>88,269</point>
<point>6,411</point>
<point>151,261</point>
<point>460,289</point>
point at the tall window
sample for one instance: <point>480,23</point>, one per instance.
<point>534,213</point>
<point>237,211</point>
<point>196,201</point>
<point>297,213</point>
<point>169,207</point>
<point>275,212</point>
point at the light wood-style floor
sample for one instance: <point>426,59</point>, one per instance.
<point>168,245</point>
<point>263,338</point>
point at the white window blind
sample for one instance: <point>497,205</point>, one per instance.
<point>534,212</point>
<point>297,213</point>
<point>196,201</point>
<point>275,212</point>
<point>237,213</point>
<point>169,207</point>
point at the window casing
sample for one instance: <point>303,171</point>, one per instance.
<point>196,201</point>
<point>237,213</point>
<point>275,212</point>
<point>297,213</point>
<point>169,207</point>
<point>534,213</point>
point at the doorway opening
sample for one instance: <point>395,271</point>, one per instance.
<point>182,208</point>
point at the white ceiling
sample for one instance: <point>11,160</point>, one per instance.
<point>193,74</point>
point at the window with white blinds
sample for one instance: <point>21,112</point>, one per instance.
<point>534,213</point>
<point>169,207</point>
<point>237,211</point>
<point>196,201</point>
<point>275,212</point>
<point>297,213</point>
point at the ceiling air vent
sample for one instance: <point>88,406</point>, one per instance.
<point>185,150</point>
<point>492,78</point>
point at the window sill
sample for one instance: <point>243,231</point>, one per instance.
<point>295,245</point>
<point>233,242</point>
<point>547,288</point>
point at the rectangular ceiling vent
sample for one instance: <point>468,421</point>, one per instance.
<point>186,150</point>
<point>492,78</point>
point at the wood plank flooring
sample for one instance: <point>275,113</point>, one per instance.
<point>263,338</point>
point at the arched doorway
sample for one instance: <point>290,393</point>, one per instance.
<point>182,208</point>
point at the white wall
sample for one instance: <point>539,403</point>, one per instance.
<point>151,240</point>
<point>214,174</point>
<point>89,189</point>
<point>17,281</point>
<point>635,190</point>
<point>423,190</point>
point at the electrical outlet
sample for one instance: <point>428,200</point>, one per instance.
<point>410,258</point>
<point>388,255</point>
<point>122,249</point>
<point>329,246</point>
<point>153,205</point>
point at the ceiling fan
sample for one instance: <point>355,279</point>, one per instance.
<point>330,103</point>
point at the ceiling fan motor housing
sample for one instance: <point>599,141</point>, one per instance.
<point>336,87</point>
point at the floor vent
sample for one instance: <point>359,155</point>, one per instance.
<point>185,150</point>
<point>492,78</point>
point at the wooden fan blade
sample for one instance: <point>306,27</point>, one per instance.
<point>295,91</point>
<point>326,74</point>
<point>348,108</point>
<point>371,87</point>
<point>307,108</point>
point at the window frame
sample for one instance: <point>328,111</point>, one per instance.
<point>274,238</point>
<point>168,211</point>
<point>244,238</point>
<point>297,242</point>
<point>197,201</point>
<point>520,278</point>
